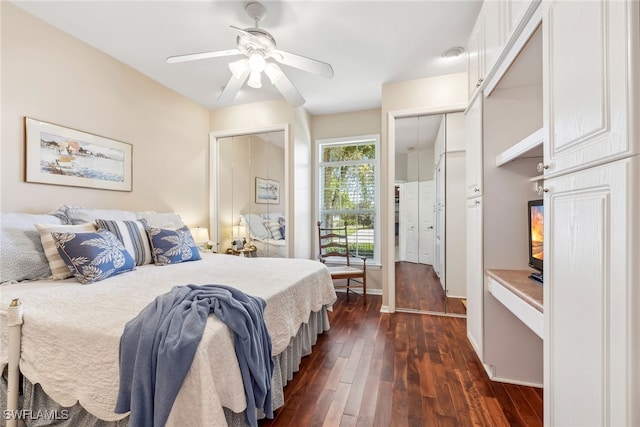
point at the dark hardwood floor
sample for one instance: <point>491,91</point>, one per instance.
<point>401,369</point>
<point>418,288</point>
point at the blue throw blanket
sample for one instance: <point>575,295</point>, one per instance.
<point>158,347</point>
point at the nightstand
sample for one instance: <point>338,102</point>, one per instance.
<point>247,251</point>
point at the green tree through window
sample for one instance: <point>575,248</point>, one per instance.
<point>347,189</point>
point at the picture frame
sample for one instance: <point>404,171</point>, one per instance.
<point>267,191</point>
<point>59,155</point>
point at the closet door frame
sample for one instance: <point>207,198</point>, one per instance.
<point>215,180</point>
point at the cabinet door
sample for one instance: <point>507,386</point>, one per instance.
<point>493,39</point>
<point>590,296</point>
<point>474,148</point>
<point>591,50</point>
<point>515,11</point>
<point>475,57</point>
<point>475,276</point>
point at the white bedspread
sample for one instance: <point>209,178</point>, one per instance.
<point>270,248</point>
<point>71,332</point>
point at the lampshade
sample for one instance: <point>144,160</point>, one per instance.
<point>238,231</point>
<point>238,68</point>
<point>200,235</point>
<point>255,80</point>
<point>256,62</point>
<point>273,72</point>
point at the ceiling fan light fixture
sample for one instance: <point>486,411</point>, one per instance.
<point>238,68</point>
<point>256,62</point>
<point>255,80</point>
<point>273,72</point>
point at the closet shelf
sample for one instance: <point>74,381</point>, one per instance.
<point>525,146</point>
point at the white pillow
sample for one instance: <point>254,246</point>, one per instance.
<point>59,269</point>
<point>21,253</point>
<point>80,215</point>
<point>161,220</point>
<point>273,216</point>
<point>257,229</point>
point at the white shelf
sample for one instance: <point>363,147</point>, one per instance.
<point>526,145</point>
<point>516,304</point>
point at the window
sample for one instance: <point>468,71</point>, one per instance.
<point>348,176</point>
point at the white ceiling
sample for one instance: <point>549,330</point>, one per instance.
<point>416,133</point>
<point>368,43</point>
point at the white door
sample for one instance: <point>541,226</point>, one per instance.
<point>408,236</point>
<point>474,148</point>
<point>475,276</point>
<point>589,287</point>
<point>426,216</point>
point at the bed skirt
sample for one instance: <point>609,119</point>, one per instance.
<point>40,410</point>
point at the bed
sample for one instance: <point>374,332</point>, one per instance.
<point>267,233</point>
<point>80,327</point>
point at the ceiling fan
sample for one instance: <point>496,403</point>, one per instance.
<point>259,48</point>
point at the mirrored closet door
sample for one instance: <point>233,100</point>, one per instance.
<point>430,213</point>
<point>250,195</point>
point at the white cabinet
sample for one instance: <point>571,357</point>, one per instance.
<point>475,57</point>
<point>497,26</point>
<point>591,293</point>
<point>485,44</point>
<point>592,206</point>
<point>493,38</point>
<point>474,148</point>
<point>591,70</point>
<point>475,276</point>
<point>514,13</point>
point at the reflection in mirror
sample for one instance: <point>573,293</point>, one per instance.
<point>420,216</point>
<point>251,220</point>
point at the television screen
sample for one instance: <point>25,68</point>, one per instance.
<point>536,234</point>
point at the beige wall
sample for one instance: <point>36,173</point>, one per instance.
<point>411,97</point>
<point>50,76</point>
<point>365,122</point>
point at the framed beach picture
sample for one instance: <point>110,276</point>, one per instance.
<point>267,191</point>
<point>62,156</point>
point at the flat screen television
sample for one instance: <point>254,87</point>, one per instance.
<point>536,236</point>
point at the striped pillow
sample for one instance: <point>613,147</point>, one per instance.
<point>58,267</point>
<point>133,236</point>
<point>274,228</point>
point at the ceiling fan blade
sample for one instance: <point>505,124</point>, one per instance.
<point>203,55</point>
<point>309,65</point>
<point>284,85</point>
<point>233,86</point>
<point>245,33</point>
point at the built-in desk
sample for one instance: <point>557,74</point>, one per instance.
<point>521,295</point>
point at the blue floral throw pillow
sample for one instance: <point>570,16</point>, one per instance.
<point>93,256</point>
<point>172,246</point>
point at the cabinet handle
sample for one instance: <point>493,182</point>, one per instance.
<point>541,190</point>
<point>477,202</point>
<point>541,167</point>
<point>476,190</point>
<point>479,82</point>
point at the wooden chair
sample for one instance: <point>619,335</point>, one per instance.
<point>334,252</point>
